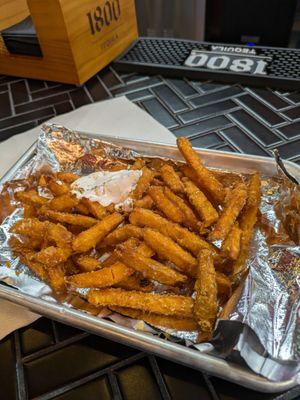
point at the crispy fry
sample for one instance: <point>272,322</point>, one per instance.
<point>59,235</point>
<point>247,222</point>
<point>67,177</point>
<point>51,256</point>
<point>179,306</point>
<point>43,181</point>
<point>182,236</point>
<point>30,197</point>
<point>165,205</point>
<point>190,219</point>
<point>188,172</point>
<point>231,245</point>
<point>56,278</point>
<point>95,208</point>
<point>29,211</point>
<point>202,205</point>
<point>58,188</point>
<point>206,178</point>
<point>138,164</point>
<point>206,306</point>
<point>37,268</point>
<point>104,277</point>
<point>179,324</point>
<point>72,219</point>
<point>145,202</point>
<point>234,204</point>
<point>31,227</point>
<point>82,208</point>
<point>136,282</point>
<point>88,239</point>
<point>87,263</point>
<point>143,183</point>
<point>121,234</point>
<point>223,285</point>
<point>171,179</point>
<point>151,269</point>
<point>167,249</point>
<point>63,203</point>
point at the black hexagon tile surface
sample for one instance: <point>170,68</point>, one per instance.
<point>48,360</point>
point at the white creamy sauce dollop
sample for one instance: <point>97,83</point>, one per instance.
<point>107,187</point>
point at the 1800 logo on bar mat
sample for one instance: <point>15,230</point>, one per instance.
<point>103,16</point>
<point>229,58</point>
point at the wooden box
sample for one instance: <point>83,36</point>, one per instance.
<point>77,37</point>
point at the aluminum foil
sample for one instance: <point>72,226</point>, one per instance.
<point>263,324</point>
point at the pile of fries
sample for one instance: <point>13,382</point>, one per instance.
<point>171,260</point>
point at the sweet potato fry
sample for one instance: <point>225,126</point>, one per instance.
<point>72,219</point>
<point>81,208</point>
<point>190,219</point>
<point>234,204</point>
<point>30,211</point>
<point>30,197</point>
<point>167,249</point>
<point>247,222</point>
<point>182,236</point>
<point>31,227</point>
<point>56,278</point>
<point>67,177</point>
<point>165,205</point>
<point>58,234</point>
<point>136,282</point>
<point>188,172</point>
<point>202,205</point>
<point>121,234</point>
<point>231,245</point>
<point>104,277</point>
<point>171,179</point>
<point>63,203</point>
<point>95,208</point>
<point>138,164</point>
<point>206,305</point>
<point>87,263</point>
<point>58,188</point>
<point>179,306</point>
<point>179,324</point>
<point>51,256</point>
<point>88,239</point>
<point>143,183</point>
<point>150,268</point>
<point>206,178</point>
<point>37,268</point>
<point>145,202</point>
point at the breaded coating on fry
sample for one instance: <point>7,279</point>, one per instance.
<point>58,188</point>
<point>150,268</point>
<point>179,306</point>
<point>167,249</point>
<point>247,222</point>
<point>30,211</point>
<point>171,179</point>
<point>95,208</point>
<point>165,205</point>
<point>206,303</point>
<point>101,278</point>
<point>56,278</point>
<point>179,324</point>
<point>82,208</point>
<point>202,205</point>
<point>72,219</point>
<point>138,164</point>
<point>58,234</point>
<point>188,240</point>
<point>121,234</point>
<point>67,177</point>
<point>190,219</point>
<point>234,204</point>
<point>206,178</point>
<point>143,183</point>
<point>64,202</point>
<point>31,227</point>
<point>51,256</point>
<point>145,202</point>
<point>136,282</point>
<point>232,244</point>
<point>30,197</point>
<point>88,239</point>
<point>87,263</point>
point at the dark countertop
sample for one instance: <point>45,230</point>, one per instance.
<point>48,360</point>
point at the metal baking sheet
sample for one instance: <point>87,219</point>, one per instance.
<point>193,358</point>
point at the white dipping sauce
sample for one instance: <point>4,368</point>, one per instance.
<point>107,187</point>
